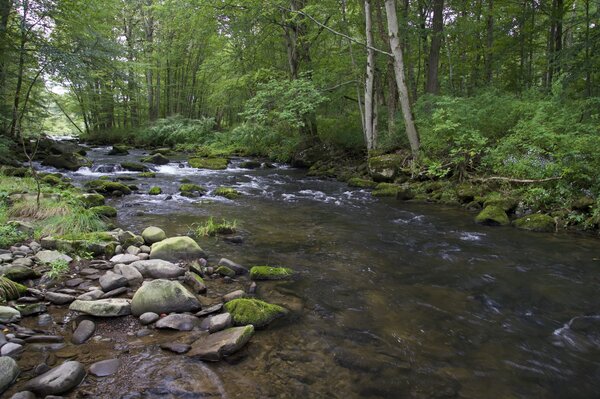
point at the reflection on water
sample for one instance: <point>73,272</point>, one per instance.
<point>394,300</point>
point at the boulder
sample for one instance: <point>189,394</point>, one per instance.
<point>83,332</point>
<point>23,395</point>
<point>16,272</point>
<point>227,192</point>
<point>180,322</point>
<point>135,167</point>
<point>9,315</point>
<point>157,268</point>
<point>59,380</point>
<point>195,282</point>
<point>104,211</point>
<point>9,371</point>
<point>385,167</point>
<point>253,311</point>
<point>155,191</point>
<point>156,159</point>
<point>270,273</point>
<point>209,163</point>
<point>92,200</point>
<point>108,187</point>
<point>118,150</point>
<point>124,259</point>
<point>133,275</point>
<point>105,368</point>
<point>112,307</point>
<point>493,215</point>
<point>57,298</point>
<point>536,222</point>
<point>163,296</point>
<point>67,161</point>
<point>176,248</point>
<point>237,268</point>
<point>221,344</point>
<point>153,235</point>
<point>51,256</point>
<point>192,190</point>
<point>217,322</point>
<point>11,349</point>
<point>361,183</point>
<point>111,281</point>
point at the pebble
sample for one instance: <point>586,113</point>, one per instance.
<point>148,318</point>
<point>83,332</point>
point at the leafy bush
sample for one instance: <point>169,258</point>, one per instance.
<point>176,130</point>
<point>57,268</point>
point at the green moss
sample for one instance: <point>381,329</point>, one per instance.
<point>107,187</point>
<point>156,159</point>
<point>209,163</point>
<point>119,150</point>
<point>91,200</point>
<point>134,166</point>
<point>250,165</point>
<point>10,235</point>
<point>225,271</point>
<point>155,191</point>
<point>10,290</point>
<point>537,222</point>
<point>52,180</point>
<point>227,192</point>
<point>95,237</point>
<point>192,190</point>
<point>270,273</point>
<point>503,200</point>
<point>253,311</point>
<point>493,215</point>
<point>150,175</point>
<point>361,183</point>
<point>105,210</point>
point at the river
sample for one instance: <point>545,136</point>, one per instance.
<point>394,299</point>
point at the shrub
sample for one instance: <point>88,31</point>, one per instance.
<point>210,228</point>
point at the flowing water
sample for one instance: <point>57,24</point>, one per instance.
<point>393,300</point>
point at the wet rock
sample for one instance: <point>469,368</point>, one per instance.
<point>536,222</point>
<point>234,239</point>
<point>111,281</point>
<point>9,315</point>
<point>31,309</point>
<point>58,299</point>
<point>180,322</point>
<point>88,271</point>
<point>9,371</point>
<point>252,288</point>
<point>225,271</point>
<point>38,339</point>
<point>163,296</point>
<point>124,259</point>
<point>74,282</point>
<point>59,380</point>
<point>67,161</point>
<point>221,344</point>
<point>16,272</point>
<point>92,200</point>
<point>217,322</point>
<point>493,216</point>
<point>51,256</point>
<point>83,332</point>
<point>5,258</point>
<point>23,395</point>
<point>234,295</point>
<point>148,318</point>
<point>156,159</point>
<point>45,320</point>
<point>157,268</point>
<point>176,248</point>
<point>213,309</point>
<point>195,282</point>
<point>153,235</point>
<point>91,296</point>
<point>270,273</point>
<point>23,262</point>
<point>253,311</point>
<point>11,349</point>
<point>176,347</point>
<point>115,292</point>
<point>238,269</point>
<point>112,307</point>
<point>144,256</point>
<point>105,367</point>
<point>133,275</point>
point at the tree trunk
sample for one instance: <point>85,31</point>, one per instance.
<point>433,85</point>
<point>411,129</point>
<point>21,70</point>
<point>370,79</point>
<point>489,42</point>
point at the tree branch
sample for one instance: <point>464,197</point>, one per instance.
<point>511,180</point>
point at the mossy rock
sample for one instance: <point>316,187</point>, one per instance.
<point>209,163</point>
<point>385,168</point>
<point>225,271</point>
<point>119,149</point>
<point>258,313</point>
<point>156,159</point>
<point>162,151</point>
<point>150,175</point>
<point>52,180</point>
<point>466,193</point>
<point>134,166</point>
<point>250,165</point>
<point>10,290</point>
<point>493,215</point>
<point>153,234</point>
<point>108,187</point>
<point>67,161</point>
<point>15,171</point>
<point>227,192</point>
<point>361,183</point>
<point>155,191</point>
<point>393,190</point>
<point>92,200</point>
<point>505,201</point>
<point>176,248</point>
<point>536,222</point>
<point>99,244</point>
<point>192,190</point>
<point>583,204</point>
<point>270,273</point>
<point>105,211</point>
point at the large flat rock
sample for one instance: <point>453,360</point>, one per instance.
<point>157,268</point>
<point>224,343</point>
<point>59,380</point>
<point>163,296</point>
<point>112,307</point>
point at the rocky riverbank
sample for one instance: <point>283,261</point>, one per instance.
<point>153,285</point>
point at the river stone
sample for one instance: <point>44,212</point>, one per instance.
<point>253,311</point>
<point>9,315</point>
<point>112,307</point>
<point>145,249</point>
<point>23,395</point>
<point>59,380</point>
<point>18,272</point>
<point>133,250</point>
<point>213,309</point>
<point>9,371</point>
<point>51,256</point>
<point>176,248</point>
<point>493,215</point>
<point>148,318</point>
<point>163,296</point>
<point>31,309</point>
<point>115,292</point>
<point>26,262</point>
<point>133,275</point>
<point>10,349</point>
<point>91,296</point>
<point>238,269</point>
<point>153,235</point>
<point>176,347</point>
<point>124,259</point>
<point>111,281</point>
<point>58,299</point>
<point>157,268</point>
<point>105,367</point>
<point>224,343</point>
<point>217,322</point>
<point>234,295</point>
<point>195,282</point>
<point>180,322</point>
<point>83,332</point>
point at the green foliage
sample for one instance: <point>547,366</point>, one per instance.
<point>58,268</point>
<point>10,290</point>
<point>9,235</point>
<point>175,130</point>
<point>210,228</point>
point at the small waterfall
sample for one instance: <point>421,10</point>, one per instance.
<point>107,168</point>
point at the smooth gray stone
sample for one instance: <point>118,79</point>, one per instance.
<point>112,307</point>
<point>11,349</point>
<point>9,315</point>
<point>58,299</point>
<point>132,274</point>
<point>176,347</point>
<point>124,258</point>
<point>51,256</point>
<point>91,296</point>
<point>163,296</point>
<point>224,343</point>
<point>149,318</point>
<point>105,367</point>
<point>23,395</point>
<point>157,268</point>
<point>59,380</point>
<point>37,339</point>
<point>115,292</point>
<point>181,322</point>
<point>237,268</point>
<point>9,371</point>
<point>234,295</point>
<point>83,332</point>
<point>111,281</point>
<point>217,322</point>
<point>213,309</point>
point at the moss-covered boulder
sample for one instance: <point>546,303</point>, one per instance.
<point>52,180</point>
<point>536,222</point>
<point>163,151</point>
<point>393,190</point>
<point>134,166</point>
<point>250,165</point>
<point>361,183</point>
<point>163,296</point>
<point>506,201</point>
<point>119,150</point>
<point>385,168</point>
<point>493,216</point>
<point>150,175</point>
<point>105,211</point>
<point>155,191</point>
<point>92,200</point>
<point>270,273</point>
<point>583,204</point>
<point>99,244</point>
<point>466,193</point>
<point>192,190</point>
<point>156,159</point>
<point>10,290</point>
<point>225,271</point>
<point>67,161</point>
<point>227,192</point>
<point>258,313</point>
<point>175,249</point>
<point>153,235</point>
<point>108,187</point>
<point>209,163</point>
